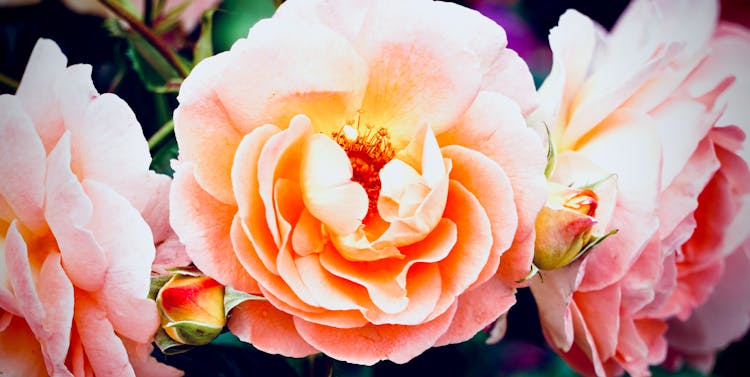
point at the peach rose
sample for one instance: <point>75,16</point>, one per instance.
<point>637,103</point>
<point>367,170</point>
<point>79,214</point>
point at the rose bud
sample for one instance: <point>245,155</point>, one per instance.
<point>192,309</point>
<point>564,227</point>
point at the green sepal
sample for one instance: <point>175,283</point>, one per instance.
<point>551,154</point>
<point>533,270</point>
<point>194,333</point>
<point>186,271</point>
<point>169,346</point>
<point>593,242</point>
<point>156,283</point>
<point>233,297</point>
<point>595,184</point>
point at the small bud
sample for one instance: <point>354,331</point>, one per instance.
<point>564,226</point>
<point>192,309</point>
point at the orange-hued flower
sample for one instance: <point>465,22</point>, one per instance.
<point>80,218</point>
<point>192,309</point>
<point>365,169</point>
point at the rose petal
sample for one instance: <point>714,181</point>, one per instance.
<point>202,223</point>
<point>372,343</point>
<point>22,164</point>
<point>68,211</point>
<point>268,329</point>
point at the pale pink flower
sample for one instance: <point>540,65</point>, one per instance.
<point>80,214</point>
<point>639,102</point>
<point>365,166</point>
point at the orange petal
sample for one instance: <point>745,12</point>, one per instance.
<point>372,343</point>
<point>461,268</point>
<point>328,88</point>
<point>212,148</point>
<point>280,158</point>
<point>203,224</point>
<point>423,287</point>
<point>327,189</point>
<point>474,170</point>
<point>413,66</point>
<point>494,127</point>
<point>385,279</point>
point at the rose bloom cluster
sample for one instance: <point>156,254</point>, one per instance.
<point>381,177</point>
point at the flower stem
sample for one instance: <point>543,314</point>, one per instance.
<point>160,134</point>
<point>144,31</point>
<point>9,82</point>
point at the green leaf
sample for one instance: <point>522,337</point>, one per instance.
<point>160,163</point>
<point>235,18</point>
<point>204,47</point>
<point>152,68</point>
<point>233,297</point>
<point>156,283</point>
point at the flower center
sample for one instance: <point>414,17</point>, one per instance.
<point>368,150</point>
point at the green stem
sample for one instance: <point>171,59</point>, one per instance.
<point>9,82</point>
<point>143,30</point>
<point>160,134</point>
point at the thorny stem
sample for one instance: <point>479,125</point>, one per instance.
<point>144,31</point>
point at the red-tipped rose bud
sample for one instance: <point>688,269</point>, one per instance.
<point>192,309</point>
<point>564,226</point>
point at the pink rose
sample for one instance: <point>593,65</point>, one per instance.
<point>367,170</point>
<point>640,102</point>
<point>711,299</point>
<point>80,213</point>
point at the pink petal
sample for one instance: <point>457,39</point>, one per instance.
<point>104,350</point>
<point>129,246</point>
<point>68,211</point>
<point>203,224</point>
<point>46,65</point>
<point>268,329</point>
<point>144,364</point>
<point>553,294</point>
<point>477,309</point>
<point>601,312</point>
<point>22,164</point>
<point>20,354</point>
<point>109,135</point>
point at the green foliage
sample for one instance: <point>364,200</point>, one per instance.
<point>234,18</point>
<point>160,162</point>
<point>204,47</point>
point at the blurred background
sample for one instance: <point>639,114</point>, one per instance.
<point>89,39</point>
